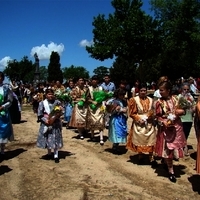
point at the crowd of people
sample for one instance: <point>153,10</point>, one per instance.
<point>161,121</point>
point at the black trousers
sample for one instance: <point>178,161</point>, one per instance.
<point>186,128</point>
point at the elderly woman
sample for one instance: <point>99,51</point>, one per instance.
<point>142,135</point>
<point>187,119</point>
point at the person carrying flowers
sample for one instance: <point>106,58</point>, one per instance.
<point>95,113</point>
<point>117,108</point>
<point>187,101</point>
<point>50,131</point>
<point>78,117</point>
<point>170,136</point>
<point>142,135</point>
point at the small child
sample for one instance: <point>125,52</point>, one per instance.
<point>50,131</point>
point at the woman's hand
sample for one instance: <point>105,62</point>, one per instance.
<point>179,112</point>
<point>118,108</point>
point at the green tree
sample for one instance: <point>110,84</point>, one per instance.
<point>180,28</point>
<point>75,72</point>
<point>128,35</point>
<point>43,73</point>
<point>101,71</point>
<point>20,70</point>
<point>54,68</point>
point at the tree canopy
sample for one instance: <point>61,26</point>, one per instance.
<point>54,68</point>
<point>101,71</point>
<point>148,46</point>
<point>75,72</point>
<point>20,70</point>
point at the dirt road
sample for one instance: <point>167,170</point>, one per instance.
<point>88,171</point>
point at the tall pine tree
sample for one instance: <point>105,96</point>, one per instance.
<point>54,68</point>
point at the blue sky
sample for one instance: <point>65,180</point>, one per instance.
<point>43,26</point>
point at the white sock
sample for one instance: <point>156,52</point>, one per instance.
<point>101,135</point>
<point>55,153</point>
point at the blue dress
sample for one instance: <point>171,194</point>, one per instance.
<point>68,108</point>
<point>117,132</point>
<point>6,130</point>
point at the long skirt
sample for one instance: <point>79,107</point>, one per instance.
<point>170,141</point>
<point>95,119</point>
<point>6,129</point>
<point>142,139</point>
<point>51,138</point>
<point>78,118</point>
<point>117,132</point>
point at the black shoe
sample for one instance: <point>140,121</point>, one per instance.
<point>56,160</point>
<point>172,178</point>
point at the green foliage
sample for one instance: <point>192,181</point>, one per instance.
<point>180,30</point>
<point>101,71</point>
<point>129,35</point>
<point>54,68</point>
<point>20,70</point>
<point>167,43</point>
<point>75,72</point>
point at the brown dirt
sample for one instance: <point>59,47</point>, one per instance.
<point>88,171</point>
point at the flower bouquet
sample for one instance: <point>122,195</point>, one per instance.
<point>111,104</point>
<point>82,101</point>
<point>170,119</point>
<point>99,97</point>
<point>63,96</point>
<point>183,103</point>
<point>2,113</point>
<point>57,111</point>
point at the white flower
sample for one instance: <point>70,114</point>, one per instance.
<point>171,117</point>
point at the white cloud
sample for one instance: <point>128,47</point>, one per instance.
<point>4,62</point>
<point>44,51</point>
<point>84,43</point>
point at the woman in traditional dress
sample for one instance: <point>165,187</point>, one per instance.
<point>95,116</point>
<point>117,107</point>
<point>142,135</point>
<point>197,130</point>
<point>78,117</point>
<point>170,137</point>
<point>6,98</point>
<point>156,94</point>
<point>68,103</point>
<point>187,119</point>
<point>50,131</point>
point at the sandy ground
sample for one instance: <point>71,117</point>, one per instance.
<point>88,171</point>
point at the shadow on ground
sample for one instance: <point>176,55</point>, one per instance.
<point>4,169</point>
<point>195,181</point>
